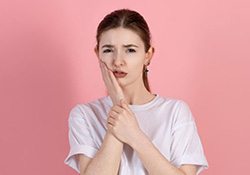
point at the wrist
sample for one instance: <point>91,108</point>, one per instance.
<point>140,140</point>
<point>109,137</point>
<point>116,99</point>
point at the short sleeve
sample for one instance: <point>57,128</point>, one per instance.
<point>186,146</point>
<point>80,139</point>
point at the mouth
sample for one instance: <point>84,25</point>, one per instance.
<point>119,74</point>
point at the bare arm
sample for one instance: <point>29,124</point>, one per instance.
<point>155,162</point>
<point>124,126</point>
<point>106,160</point>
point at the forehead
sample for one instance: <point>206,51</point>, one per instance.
<point>120,36</point>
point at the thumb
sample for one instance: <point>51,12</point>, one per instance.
<point>125,105</point>
<point>123,102</point>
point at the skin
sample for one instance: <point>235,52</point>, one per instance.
<point>123,49</point>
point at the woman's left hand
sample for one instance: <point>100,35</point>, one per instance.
<point>123,124</point>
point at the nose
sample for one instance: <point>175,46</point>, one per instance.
<point>118,60</point>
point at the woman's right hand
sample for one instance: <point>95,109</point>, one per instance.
<point>113,87</point>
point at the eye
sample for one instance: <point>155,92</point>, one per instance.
<point>107,51</point>
<point>130,50</point>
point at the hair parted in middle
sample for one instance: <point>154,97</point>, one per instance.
<point>128,19</point>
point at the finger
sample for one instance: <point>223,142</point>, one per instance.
<point>110,127</point>
<point>113,114</point>
<point>104,65</point>
<point>100,64</point>
<point>102,69</point>
<point>111,121</point>
<point>109,71</point>
<point>105,74</point>
<point>125,106</point>
<point>110,74</point>
<point>113,79</point>
<point>118,109</point>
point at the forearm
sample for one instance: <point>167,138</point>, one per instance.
<point>152,159</point>
<point>107,159</point>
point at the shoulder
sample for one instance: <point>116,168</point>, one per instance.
<point>179,108</point>
<point>175,103</point>
<point>82,110</point>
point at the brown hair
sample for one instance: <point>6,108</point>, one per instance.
<point>131,20</point>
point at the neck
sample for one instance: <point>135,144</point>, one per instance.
<point>137,94</point>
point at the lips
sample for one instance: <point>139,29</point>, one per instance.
<point>119,74</point>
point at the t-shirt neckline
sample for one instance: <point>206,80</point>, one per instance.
<point>141,106</point>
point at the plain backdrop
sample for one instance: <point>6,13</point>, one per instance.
<point>48,65</point>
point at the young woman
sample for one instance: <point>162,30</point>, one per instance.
<point>132,131</point>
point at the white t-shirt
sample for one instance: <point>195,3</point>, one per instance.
<point>167,122</point>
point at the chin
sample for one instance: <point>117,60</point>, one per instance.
<point>126,83</point>
<point>121,82</point>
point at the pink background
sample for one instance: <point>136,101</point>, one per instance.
<point>47,65</point>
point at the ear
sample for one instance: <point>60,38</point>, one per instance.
<point>149,55</point>
<point>96,51</point>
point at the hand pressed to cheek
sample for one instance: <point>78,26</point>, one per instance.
<point>111,83</point>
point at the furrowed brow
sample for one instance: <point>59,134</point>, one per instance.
<point>108,45</point>
<point>130,45</point>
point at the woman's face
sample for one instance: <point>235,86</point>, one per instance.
<point>123,50</point>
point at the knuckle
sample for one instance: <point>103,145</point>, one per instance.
<point>109,120</point>
<point>122,110</point>
<point>118,117</point>
<point>110,114</point>
<point>113,107</point>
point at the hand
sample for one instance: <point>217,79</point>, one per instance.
<point>123,124</point>
<point>113,87</point>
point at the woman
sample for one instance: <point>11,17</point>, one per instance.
<point>131,131</point>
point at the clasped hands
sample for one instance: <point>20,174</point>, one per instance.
<point>121,120</point>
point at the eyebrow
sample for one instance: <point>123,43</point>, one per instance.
<point>127,45</point>
<point>130,45</point>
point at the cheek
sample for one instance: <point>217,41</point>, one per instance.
<point>137,66</point>
<point>107,59</point>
